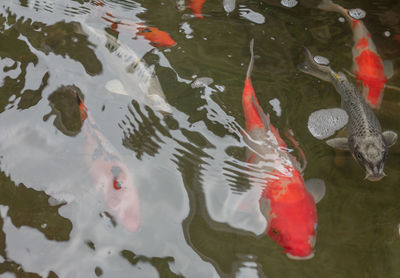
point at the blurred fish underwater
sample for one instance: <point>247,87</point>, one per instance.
<point>126,149</point>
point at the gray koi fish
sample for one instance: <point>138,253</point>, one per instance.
<point>137,79</point>
<point>365,139</point>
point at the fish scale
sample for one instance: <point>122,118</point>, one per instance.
<point>362,121</point>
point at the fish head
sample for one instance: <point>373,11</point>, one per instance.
<point>370,152</point>
<point>292,220</point>
<point>121,195</point>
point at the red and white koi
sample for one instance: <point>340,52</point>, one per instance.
<point>285,202</point>
<point>110,173</point>
<point>367,64</point>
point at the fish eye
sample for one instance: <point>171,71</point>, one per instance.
<point>275,231</point>
<point>359,156</point>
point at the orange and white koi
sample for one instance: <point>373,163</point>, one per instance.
<point>110,173</point>
<point>288,206</point>
<point>367,64</point>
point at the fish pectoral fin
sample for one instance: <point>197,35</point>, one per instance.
<point>317,189</point>
<point>339,143</point>
<point>388,68</point>
<point>264,117</point>
<point>392,87</point>
<point>115,86</point>
<point>390,138</point>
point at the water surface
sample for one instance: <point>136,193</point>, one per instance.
<point>185,166</point>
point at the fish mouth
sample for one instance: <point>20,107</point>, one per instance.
<point>374,177</point>
<point>299,258</point>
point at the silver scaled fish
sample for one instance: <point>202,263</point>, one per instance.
<point>365,139</point>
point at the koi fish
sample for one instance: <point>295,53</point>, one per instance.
<point>157,37</point>
<point>137,79</point>
<point>365,139</point>
<point>196,6</point>
<point>288,206</point>
<point>367,64</point>
<point>109,172</point>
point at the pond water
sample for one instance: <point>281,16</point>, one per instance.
<point>188,168</point>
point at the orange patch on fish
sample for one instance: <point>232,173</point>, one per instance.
<point>372,75</point>
<point>83,109</point>
<point>116,184</point>
<point>286,188</point>
<point>355,23</point>
<point>362,43</point>
<point>251,114</point>
<point>156,36</point>
<point>196,6</point>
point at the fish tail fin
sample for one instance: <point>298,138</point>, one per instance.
<point>82,107</point>
<point>251,64</point>
<point>309,66</point>
<point>330,6</point>
<point>326,5</point>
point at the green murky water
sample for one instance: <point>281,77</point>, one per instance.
<point>56,223</point>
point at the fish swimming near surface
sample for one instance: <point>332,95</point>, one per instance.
<point>157,37</point>
<point>368,66</point>
<point>196,7</point>
<point>135,77</point>
<point>110,173</point>
<point>365,139</point>
<point>287,203</point>
<point>181,5</point>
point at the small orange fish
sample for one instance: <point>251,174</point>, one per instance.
<point>110,173</point>
<point>367,64</point>
<point>156,37</point>
<point>196,6</point>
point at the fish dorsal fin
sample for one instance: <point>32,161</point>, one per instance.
<point>264,117</point>
<point>388,68</point>
<point>250,68</point>
<point>115,86</point>
<point>297,164</point>
<point>390,138</point>
<point>339,143</point>
<point>317,189</point>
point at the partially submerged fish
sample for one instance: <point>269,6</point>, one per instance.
<point>365,139</point>
<point>229,5</point>
<point>109,172</point>
<point>136,78</point>
<point>288,206</point>
<point>157,37</point>
<point>367,64</point>
<point>196,7</point>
